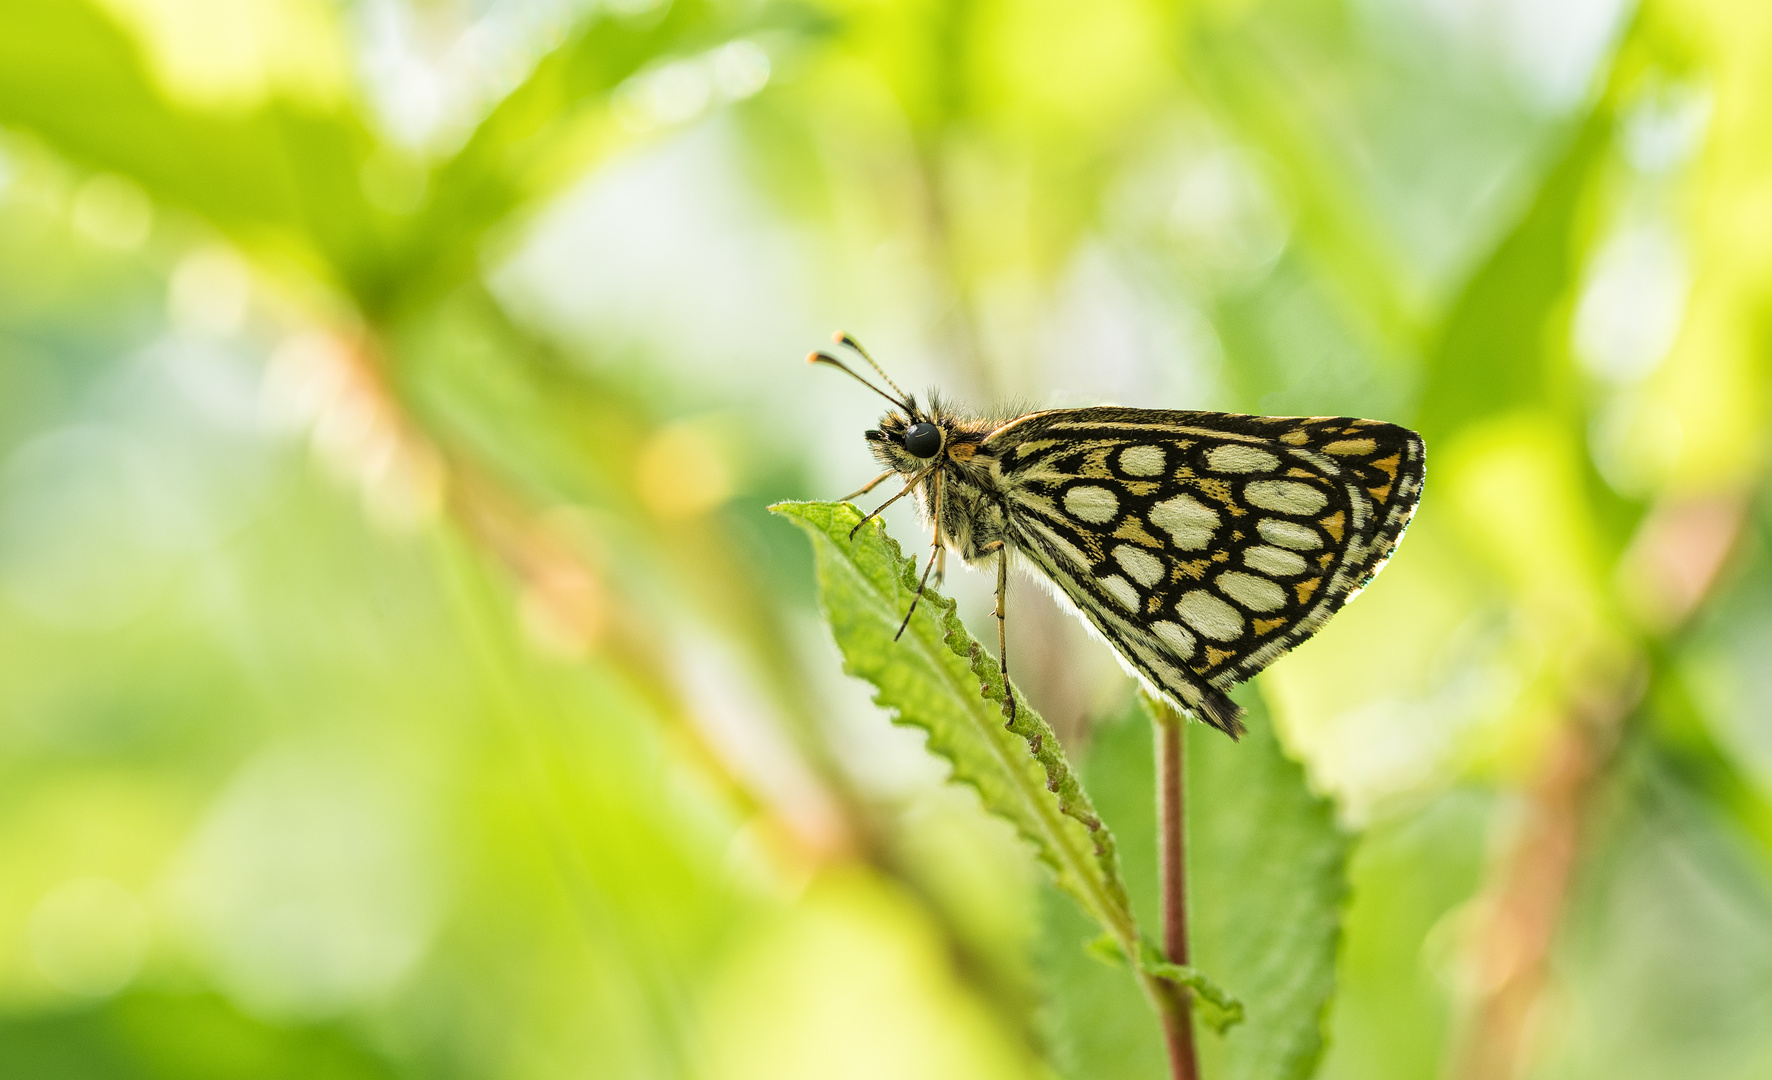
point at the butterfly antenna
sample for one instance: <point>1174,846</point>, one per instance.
<point>849,342</point>
<point>827,358</point>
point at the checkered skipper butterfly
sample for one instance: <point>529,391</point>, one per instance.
<point>1202,546</point>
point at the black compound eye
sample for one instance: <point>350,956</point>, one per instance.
<point>923,440</point>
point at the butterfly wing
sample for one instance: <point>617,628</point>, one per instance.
<point>1204,545</point>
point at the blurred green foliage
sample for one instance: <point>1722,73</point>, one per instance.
<point>403,678</point>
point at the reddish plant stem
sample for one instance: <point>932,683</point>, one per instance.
<point>1178,1018</point>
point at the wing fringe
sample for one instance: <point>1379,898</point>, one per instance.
<point>1216,708</point>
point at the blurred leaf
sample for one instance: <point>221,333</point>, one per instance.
<point>1496,349</point>
<point>147,1036</point>
<point>1276,85</point>
<point>1710,697</point>
<point>293,175</point>
<point>1395,1005</point>
<point>540,137</point>
<point>939,679</point>
<point>1666,952</point>
<point>282,172</point>
<point>1094,1021</point>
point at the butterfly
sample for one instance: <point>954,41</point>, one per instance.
<point>1201,546</point>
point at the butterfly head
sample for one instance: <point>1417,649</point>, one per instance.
<point>909,441</point>
<point>909,438</point>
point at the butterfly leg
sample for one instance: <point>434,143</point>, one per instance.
<point>871,485</point>
<point>1002,614</point>
<point>933,557</point>
<point>910,485</point>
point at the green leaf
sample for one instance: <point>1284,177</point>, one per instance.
<point>542,135</point>
<point>289,175</point>
<point>1498,347</point>
<point>1217,1009</point>
<point>1267,869</point>
<point>1107,950</point>
<point>137,1035</point>
<point>1093,1021</point>
<point>283,172</point>
<point>938,678</point>
<point>1212,1006</point>
<point>1395,1014</point>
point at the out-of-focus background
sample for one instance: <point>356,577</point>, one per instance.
<point>400,676</point>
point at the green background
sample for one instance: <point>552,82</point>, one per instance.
<point>401,677</point>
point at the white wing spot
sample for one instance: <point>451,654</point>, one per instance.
<point>1187,520</point>
<point>1289,534</point>
<point>1122,590</point>
<point>1270,560</point>
<point>1142,461</point>
<point>1254,593</point>
<point>1237,458</point>
<point>1174,635</point>
<point>1209,615</point>
<point>1285,496</point>
<point>1093,504</point>
<point>1145,568</point>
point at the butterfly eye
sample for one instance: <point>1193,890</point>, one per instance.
<point>923,440</point>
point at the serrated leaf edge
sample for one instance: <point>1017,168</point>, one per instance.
<point>1107,901</point>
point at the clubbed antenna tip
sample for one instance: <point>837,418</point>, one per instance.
<point>848,341</point>
<point>817,357</point>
